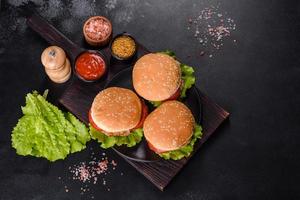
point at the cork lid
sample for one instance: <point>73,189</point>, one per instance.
<point>53,57</point>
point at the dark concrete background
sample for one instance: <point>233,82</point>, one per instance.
<point>254,155</point>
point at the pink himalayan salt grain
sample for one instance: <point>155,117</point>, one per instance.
<point>219,32</point>
<point>84,173</point>
<point>97,29</point>
<point>211,27</point>
<point>114,163</point>
<point>89,172</point>
<point>95,180</point>
<point>102,167</point>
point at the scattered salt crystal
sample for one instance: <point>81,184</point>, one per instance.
<point>88,172</point>
<point>95,180</point>
<point>113,163</point>
<point>202,53</point>
<point>211,27</point>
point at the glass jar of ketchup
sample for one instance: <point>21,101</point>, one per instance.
<point>90,66</point>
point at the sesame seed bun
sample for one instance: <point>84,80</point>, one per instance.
<point>116,110</point>
<point>156,76</point>
<point>169,127</point>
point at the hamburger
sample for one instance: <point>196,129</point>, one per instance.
<point>116,117</point>
<point>159,77</point>
<point>171,131</point>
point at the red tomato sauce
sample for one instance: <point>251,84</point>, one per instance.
<point>90,66</point>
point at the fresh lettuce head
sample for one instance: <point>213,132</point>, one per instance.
<point>45,131</point>
<point>109,141</point>
<point>186,150</point>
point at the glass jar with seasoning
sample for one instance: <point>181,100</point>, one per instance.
<point>97,31</point>
<point>123,47</point>
<point>90,66</point>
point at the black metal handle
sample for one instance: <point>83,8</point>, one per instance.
<point>52,35</point>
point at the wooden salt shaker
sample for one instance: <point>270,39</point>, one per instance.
<point>57,65</point>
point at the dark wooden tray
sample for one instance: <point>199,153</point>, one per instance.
<point>78,97</point>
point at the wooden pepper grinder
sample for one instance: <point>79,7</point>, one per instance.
<point>57,65</point>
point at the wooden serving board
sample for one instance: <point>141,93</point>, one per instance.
<point>79,96</point>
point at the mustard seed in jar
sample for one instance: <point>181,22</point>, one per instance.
<point>123,47</point>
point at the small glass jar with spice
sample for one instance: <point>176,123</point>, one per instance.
<point>97,31</point>
<point>90,66</point>
<point>123,47</point>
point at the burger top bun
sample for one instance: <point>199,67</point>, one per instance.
<point>169,127</point>
<point>156,76</point>
<point>116,110</point>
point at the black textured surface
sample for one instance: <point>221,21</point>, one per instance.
<point>255,155</point>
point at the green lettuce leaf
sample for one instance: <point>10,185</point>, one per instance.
<point>77,133</point>
<point>110,141</point>
<point>169,53</point>
<point>45,131</point>
<point>188,77</point>
<point>186,150</point>
<point>156,103</point>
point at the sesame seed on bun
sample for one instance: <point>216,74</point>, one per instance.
<point>116,111</point>
<point>169,127</point>
<point>156,76</point>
